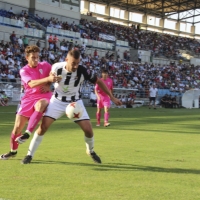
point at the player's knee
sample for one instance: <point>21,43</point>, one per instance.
<point>106,110</point>
<point>41,105</point>
<point>88,133</point>
<point>41,133</point>
<point>43,129</point>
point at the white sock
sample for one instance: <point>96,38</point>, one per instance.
<point>35,142</point>
<point>89,144</point>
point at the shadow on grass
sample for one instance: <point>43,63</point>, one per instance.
<point>122,167</point>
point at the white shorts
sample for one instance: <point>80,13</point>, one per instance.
<point>56,109</point>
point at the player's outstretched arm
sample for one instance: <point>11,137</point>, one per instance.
<point>108,92</point>
<point>98,97</point>
<point>50,79</point>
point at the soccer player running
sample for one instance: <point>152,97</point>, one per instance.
<point>67,91</point>
<point>103,99</point>
<point>36,78</point>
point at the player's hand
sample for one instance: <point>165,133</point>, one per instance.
<point>116,101</point>
<point>45,88</point>
<point>53,78</point>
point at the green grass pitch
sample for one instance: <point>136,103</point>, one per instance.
<point>146,155</point>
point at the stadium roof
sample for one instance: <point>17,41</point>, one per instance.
<point>159,8</point>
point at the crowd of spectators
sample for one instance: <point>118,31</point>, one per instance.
<point>22,18</point>
<point>136,75</point>
<point>177,77</point>
<point>159,44</point>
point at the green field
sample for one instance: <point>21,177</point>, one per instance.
<point>146,155</point>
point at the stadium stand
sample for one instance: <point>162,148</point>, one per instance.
<point>97,53</point>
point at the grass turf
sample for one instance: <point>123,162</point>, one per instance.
<point>146,155</point>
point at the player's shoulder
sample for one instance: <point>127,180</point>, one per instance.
<point>44,63</point>
<point>23,69</point>
<point>58,65</point>
<point>82,68</point>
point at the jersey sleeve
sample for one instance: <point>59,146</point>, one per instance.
<point>96,87</point>
<point>48,67</point>
<point>89,75</point>
<point>54,69</point>
<point>25,76</point>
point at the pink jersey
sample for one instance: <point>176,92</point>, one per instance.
<point>27,74</point>
<point>108,82</point>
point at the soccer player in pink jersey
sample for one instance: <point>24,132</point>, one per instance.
<point>103,100</point>
<point>36,79</point>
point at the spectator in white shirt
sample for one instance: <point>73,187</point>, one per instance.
<point>20,42</point>
<point>93,98</point>
<point>51,56</point>
<point>11,77</point>
<point>4,76</point>
<point>152,96</point>
<point>11,10</point>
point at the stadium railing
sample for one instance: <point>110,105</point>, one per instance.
<point>63,33</point>
<point>12,90</point>
<point>11,22</point>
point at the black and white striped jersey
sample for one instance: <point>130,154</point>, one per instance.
<point>69,88</point>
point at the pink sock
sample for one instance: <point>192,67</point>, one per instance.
<point>98,116</point>
<point>33,121</point>
<point>13,144</point>
<point>106,117</point>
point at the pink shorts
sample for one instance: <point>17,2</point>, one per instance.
<point>27,106</point>
<point>103,102</point>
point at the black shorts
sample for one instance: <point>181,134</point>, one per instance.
<point>152,98</point>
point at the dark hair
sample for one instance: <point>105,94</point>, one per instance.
<point>74,53</point>
<point>31,49</point>
<point>104,71</point>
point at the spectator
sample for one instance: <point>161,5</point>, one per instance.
<point>13,37</point>
<point>11,10</point>
<point>3,98</point>
<point>20,42</point>
<point>38,43</point>
<point>95,54</point>
<point>25,41</point>
<point>50,39</point>
<point>11,77</point>
<point>3,76</point>
<point>139,57</point>
<point>93,98</point>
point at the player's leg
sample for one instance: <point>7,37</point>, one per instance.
<point>106,104</point>
<point>39,108</point>
<point>89,139</point>
<point>150,102</point>
<point>55,110</point>
<point>98,116</point>
<point>86,126</point>
<point>20,122</point>
<point>98,113</point>
<point>154,102</point>
<point>106,116</point>
<point>37,139</point>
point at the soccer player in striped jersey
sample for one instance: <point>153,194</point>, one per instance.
<point>66,91</point>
